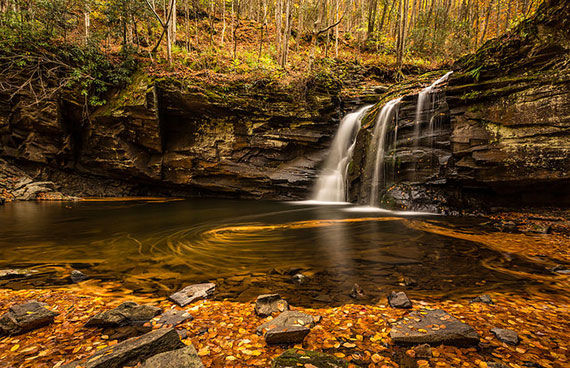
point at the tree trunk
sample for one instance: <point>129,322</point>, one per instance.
<point>87,22</point>
<point>487,16</point>
<point>237,10</point>
<point>371,18</point>
<point>287,33</point>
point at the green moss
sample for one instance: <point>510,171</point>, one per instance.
<point>301,358</point>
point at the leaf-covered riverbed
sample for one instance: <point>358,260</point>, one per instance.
<point>223,332</point>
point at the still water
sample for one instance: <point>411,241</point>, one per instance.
<point>253,247</point>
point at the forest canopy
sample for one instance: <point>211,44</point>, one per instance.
<point>99,43</point>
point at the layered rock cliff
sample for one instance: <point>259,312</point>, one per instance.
<point>502,127</point>
<point>162,136</point>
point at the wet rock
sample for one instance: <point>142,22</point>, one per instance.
<point>399,300</point>
<point>357,292</point>
<point>422,351</point>
<point>267,304</point>
<point>133,351</point>
<point>286,335</point>
<point>288,319</point>
<point>78,276</point>
<point>482,299</point>
<point>427,329</point>
<point>508,226</point>
<point>173,318</point>
<point>125,332</point>
<point>299,278</point>
<point>25,317</point>
<point>126,314</point>
<point>306,358</point>
<point>410,281</point>
<point>180,358</point>
<point>15,273</point>
<point>505,335</point>
<point>540,228</point>
<point>192,293</point>
<point>561,270</point>
<point>496,365</point>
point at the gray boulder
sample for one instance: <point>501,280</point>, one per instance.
<point>133,351</point>
<point>173,318</point>
<point>267,304</point>
<point>433,327</point>
<point>78,276</point>
<point>496,365</point>
<point>357,292</point>
<point>482,299</point>
<point>191,293</point>
<point>399,300</point>
<point>286,335</point>
<point>288,319</point>
<point>15,273</point>
<point>508,336</point>
<point>180,358</point>
<point>126,314</point>
<point>25,317</point>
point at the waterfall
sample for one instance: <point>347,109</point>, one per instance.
<point>425,98</point>
<point>385,117</point>
<point>331,184</point>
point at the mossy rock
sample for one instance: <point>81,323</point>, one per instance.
<point>300,358</point>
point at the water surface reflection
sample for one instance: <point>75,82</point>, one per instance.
<point>249,247</point>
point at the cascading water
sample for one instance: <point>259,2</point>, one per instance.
<point>424,100</point>
<point>385,117</point>
<point>331,184</point>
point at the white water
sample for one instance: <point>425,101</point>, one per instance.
<point>385,116</point>
<point>425,98</point>
<point>331,184</point>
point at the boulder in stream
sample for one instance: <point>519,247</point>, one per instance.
<point>357,292</point>
<point>25,317</point>
<point>15,273</point>
<point>133,351</point>
<point>173,318</point>
<point>505,335</point>
<point>78,276</point>
<point>399,300</point>
<point>286,334</point>
<point>180,358</point>
<point>267,304</point>
<point>433,327</point>
<point>191,293</point>
<point>126,314</point>
<point>482,299</point>
<point>288,319</point>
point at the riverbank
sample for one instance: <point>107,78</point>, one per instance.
<point>223,332</point>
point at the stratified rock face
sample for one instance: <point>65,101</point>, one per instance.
<point>162,136</point>
<point>501,134</point>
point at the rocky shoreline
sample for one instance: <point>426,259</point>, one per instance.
<point>58,327</point>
